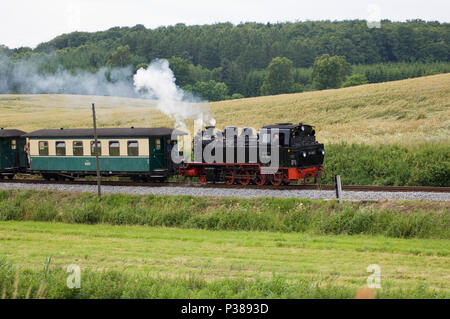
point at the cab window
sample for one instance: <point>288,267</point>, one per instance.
<point>158,144</point>
<point>114,148</point>
<point>43,148</point>
<point>13,144</point>
<point>78,148</point>
<point>133,148</point>
<point>99,147</point>
<point>60,148</point>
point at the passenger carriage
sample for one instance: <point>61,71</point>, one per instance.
<point>12,155</point>
<point>140,153</point>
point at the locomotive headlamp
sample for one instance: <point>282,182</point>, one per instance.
<point>289,150</point>
<point>304,154</point>
<point>302,128</point>
<point>323,152</point>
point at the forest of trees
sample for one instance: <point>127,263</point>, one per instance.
<point>223,60</point>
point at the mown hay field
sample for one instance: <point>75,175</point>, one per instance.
<point>155,252</point>
<point>179,246</point>
<point>404,112</point>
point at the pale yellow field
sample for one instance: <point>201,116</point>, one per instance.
<point>403,112</point>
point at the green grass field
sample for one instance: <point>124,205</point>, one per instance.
<point>335,261</point>
<point>179,246</point>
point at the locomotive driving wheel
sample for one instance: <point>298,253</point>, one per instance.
<point>260,179</point>
<point>229,177</point>
<point>203,179</point>
<point>276,179</point>
<point>286,179</point>
<point>244,178</point>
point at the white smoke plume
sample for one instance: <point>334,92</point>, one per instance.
<point>26,77</point>
<point>157,81</point>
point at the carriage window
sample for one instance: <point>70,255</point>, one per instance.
<point>13,144</point>
<point>133,148</point>
<point>99,146</point>
<point>43,148</point>
<point>60,148</point>
<point>158,144</point>
<point>114,148</point>
<point>78,148</point>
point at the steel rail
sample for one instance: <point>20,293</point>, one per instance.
<point>355,188</point>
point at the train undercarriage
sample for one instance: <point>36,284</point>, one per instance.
<point>245,174</point>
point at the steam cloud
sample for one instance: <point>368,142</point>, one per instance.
<point>156,82</point>
<point>26,77</point>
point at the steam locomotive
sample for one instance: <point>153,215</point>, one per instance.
<point>226,156</point>
<point>276,154</point>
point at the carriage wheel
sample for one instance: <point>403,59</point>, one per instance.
<point>260,179</point>
<point>245,178</point>
<point>276,179</point>
<point>203,179</point>
<point>229,177</point>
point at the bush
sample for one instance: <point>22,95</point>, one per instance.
<point>236,96</point>
<point>355,79</point>
<point>427,165</point>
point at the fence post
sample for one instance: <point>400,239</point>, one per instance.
<point>338,186</point>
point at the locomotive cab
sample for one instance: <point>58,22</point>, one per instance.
<point>297,143</point>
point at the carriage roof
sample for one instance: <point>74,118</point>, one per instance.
<point>106,132</point>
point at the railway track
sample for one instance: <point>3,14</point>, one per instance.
<point>356,188</point>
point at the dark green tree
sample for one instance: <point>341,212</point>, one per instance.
<point>280,77</point>
<point>181,71</point>
<point>120,57</point>
<point>231,75</point>
<point>211,90</point>
<point>253,83</point>
<point>330,71</point>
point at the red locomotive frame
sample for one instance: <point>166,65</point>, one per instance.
<point>231,173</point>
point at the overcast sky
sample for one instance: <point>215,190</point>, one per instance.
<point>30,22</point>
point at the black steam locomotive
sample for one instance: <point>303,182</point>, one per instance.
<point>279,153</point>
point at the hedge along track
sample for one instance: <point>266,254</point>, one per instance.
<point>355,188</point>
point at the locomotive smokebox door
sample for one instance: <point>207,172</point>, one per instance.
<point>210,174</point>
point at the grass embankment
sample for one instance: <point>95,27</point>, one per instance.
<point>427,165</point>
<point>393,219</point>
<point>154,262</point>
<point>406,112</point>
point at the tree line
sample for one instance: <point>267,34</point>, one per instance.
<point>223,60</point>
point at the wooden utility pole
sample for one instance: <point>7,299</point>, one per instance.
<point>99,181</point>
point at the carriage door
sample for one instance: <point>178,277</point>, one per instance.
<point>4,146</point>
<point>156,153</point>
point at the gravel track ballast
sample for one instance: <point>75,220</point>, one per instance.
<point>239,193</point>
